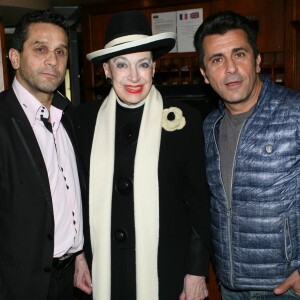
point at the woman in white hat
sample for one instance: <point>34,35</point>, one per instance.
<point>148,199</point>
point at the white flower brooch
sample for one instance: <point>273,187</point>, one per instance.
<point>172,119</point>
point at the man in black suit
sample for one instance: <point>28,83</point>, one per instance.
<point>40,190</point>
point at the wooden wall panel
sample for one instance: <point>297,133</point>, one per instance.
<point>292,43</point>
<point>270,16</point>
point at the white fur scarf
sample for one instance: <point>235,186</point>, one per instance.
<point>146,197</point>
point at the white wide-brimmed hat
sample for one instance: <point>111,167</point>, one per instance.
<point>129,32</point>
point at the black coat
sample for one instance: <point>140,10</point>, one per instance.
<point>26,212</point>
<point>184,237</point>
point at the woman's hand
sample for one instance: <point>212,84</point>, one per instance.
<point>194,288</point>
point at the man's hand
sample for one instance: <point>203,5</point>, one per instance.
<point>82,276</point>
<point>194,288</point>
<point>293,282</point>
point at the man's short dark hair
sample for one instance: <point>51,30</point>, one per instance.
<point>39,16</point>
<point>220,23</point>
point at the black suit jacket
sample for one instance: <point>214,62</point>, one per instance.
<point>26,212</point>
<point>183,195</point>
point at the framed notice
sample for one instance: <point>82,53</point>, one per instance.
<point>188,22</point>
<point>164,22</point>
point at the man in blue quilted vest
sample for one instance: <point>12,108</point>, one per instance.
<point>252,144</point>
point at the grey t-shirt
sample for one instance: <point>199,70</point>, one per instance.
<point>230,128</point>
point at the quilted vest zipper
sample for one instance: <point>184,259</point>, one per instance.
<point>228,208</point>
